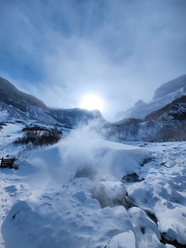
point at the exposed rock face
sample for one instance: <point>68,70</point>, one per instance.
<point>170,87</point>
<point>165,124</point>
<point>10,95</point>
<point>178,111</point>
<point>164,95</point>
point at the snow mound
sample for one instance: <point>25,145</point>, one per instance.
<point>110,193</point>
<point>158,196</point>
<point>72,195</point>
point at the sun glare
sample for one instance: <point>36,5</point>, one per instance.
<point>91,102</point>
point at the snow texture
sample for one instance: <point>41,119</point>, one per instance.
<point>75,193</point>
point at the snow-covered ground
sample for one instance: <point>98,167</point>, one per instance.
<point>88,192</point>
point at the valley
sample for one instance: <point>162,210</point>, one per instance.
<point>84,182</point>
<point>45,203</point>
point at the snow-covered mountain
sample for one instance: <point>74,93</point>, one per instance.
<point>164,118</point>
<point>164,95</point>
<point>165,124</point>
<point>73,117</point>
<point>19,106</point>
<point>10,95</point>
<point>86,191</point>
<point>16,105</point>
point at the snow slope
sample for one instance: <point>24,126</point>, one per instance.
<point>77,193</point>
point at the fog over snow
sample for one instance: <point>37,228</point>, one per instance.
<point>60,51</point>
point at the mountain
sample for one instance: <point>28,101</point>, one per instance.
<point>16,105</point>
<point>10,95</point>
<point>73,117</point>
<point>135,112</point>
<point>163,119</point>
<point>19,106</point>
<point>170,87</point>
<point>165,124</point>
<point>164,95</point>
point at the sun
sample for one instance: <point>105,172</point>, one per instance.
<point>91,102</point>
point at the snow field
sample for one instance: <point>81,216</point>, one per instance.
<point>71,195</point>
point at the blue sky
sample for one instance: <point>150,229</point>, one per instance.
<point>121,50</point>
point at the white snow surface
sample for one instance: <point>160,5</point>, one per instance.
<point>73,194</point>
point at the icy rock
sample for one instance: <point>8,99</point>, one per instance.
<point>110,193</point>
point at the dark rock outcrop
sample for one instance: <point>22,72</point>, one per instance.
<point>10,95</point>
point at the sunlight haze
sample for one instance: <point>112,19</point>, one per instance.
<point>91,102</point>
<point>123,50</point>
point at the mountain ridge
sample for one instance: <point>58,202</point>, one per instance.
<point>15,105</point>
<point>170,87</point>
<point>163,95</point>
<point>9,93</point>
<point>165,122</point>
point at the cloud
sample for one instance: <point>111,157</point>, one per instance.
<point>121,50</point>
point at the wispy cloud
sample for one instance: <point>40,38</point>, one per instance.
<point>122,50</point>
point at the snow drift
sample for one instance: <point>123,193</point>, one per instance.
<point>73,194</point>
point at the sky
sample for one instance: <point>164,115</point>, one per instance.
<point>119,50</point>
